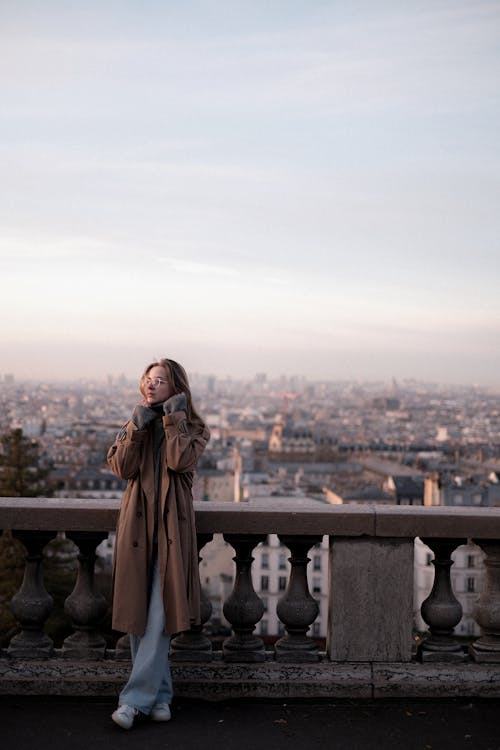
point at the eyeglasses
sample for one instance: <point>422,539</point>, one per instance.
<point>155,382</point>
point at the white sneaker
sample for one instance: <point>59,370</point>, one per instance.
<point>124,716</point>
<point>160,712</point>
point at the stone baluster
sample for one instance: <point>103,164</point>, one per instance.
<point>243,608</point>
<point>122,648</point>
<point>441,610</point>
<point>297,609</point>
<point>487,609</point>
<point>32,604</point>
<point>85,606</point>
<point>193,645</point>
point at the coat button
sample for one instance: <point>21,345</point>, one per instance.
<point>135,544</point>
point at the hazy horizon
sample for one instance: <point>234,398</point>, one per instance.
<point>130,364</point>
<point>306,188</point>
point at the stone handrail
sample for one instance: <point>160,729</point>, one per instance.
<point>249,518</point>
<point>370,600</point>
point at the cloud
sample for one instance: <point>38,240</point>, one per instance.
<point>197,268</point>
<point>335,62</point>
<point>20,249</point>
<point>277,280</point>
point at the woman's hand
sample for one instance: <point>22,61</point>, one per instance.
<point>142,416</point>
<point>178,402</point>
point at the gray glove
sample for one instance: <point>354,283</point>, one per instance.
<point>178,402</point>
<point>142,416</point>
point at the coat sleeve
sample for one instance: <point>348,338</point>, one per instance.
<point>124,456</point>
<point>185,441</point>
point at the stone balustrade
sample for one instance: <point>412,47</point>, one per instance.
<point>369,646</point>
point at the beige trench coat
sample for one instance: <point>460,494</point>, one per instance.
<point>131,458</point>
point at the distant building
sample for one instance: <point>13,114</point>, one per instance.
<point>443,489</point>
<point>289,442</point>
<point>217,485</point>
<point>90,482</point>
<point>367,495</point>
<point>386,403</point>
<point>407,490</point>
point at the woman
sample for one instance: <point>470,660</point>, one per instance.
<point>156,588</point>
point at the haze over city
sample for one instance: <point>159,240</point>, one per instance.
<point>286,187</point>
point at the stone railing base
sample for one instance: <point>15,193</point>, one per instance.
<point>217,680</point>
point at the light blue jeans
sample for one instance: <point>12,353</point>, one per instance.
<point>150,681</point>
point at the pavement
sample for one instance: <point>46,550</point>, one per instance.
<point>51,723</point>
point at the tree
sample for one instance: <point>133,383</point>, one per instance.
<point>23,472</point>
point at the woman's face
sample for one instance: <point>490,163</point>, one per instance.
<point>157,385</point>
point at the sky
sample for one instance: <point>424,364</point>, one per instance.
<point>302,187</point>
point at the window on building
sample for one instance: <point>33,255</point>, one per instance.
<point>281,629</point>
<point>316,585</point>
<point>263,627</point>
<point>317,562</point>
<point>264,560</point>
<point>282,583</point>
<point>458,498</point>
<point>264,583</point>
<point>282,561</point>
<point>316,629</point>
<point>429,558</point>
<point>471,585</point>
<point>471,561</point>
<point>264,603</point>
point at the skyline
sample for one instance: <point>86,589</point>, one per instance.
<point>287,187</point>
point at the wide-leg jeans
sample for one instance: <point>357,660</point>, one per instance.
<point>150,680</point>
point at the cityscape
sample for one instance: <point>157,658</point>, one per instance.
<point>330,439</point>
<point>298,201</point>
<point>294,442</point>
